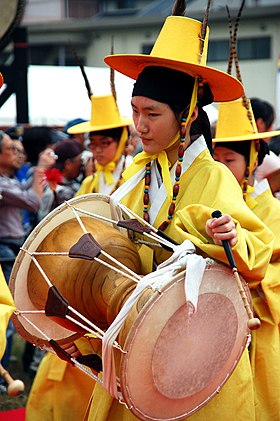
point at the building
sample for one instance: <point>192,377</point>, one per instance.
<point>133,25</point>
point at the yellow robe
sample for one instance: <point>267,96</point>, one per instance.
<point>265,346</point>
<point>6,310</point>
<point>205,186</point>
<point>60,392</point>
<point>92,185</point>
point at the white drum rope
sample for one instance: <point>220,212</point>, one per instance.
<point>184,257</point>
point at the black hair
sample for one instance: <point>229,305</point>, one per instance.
<point>262,109</point>
<point>274,145</point>
<point>38,138</point>
<point>115,133</point>
<point>1,139</point>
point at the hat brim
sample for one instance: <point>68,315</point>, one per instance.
<point>88,127</point>
<point>224,87</point>
<point>254,136</point>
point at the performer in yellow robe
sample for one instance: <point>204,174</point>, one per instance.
<point>6,310</point>
<point>108,136</point>
<point>67,390</point>
<point>176,185</point>
<point>239,148</point>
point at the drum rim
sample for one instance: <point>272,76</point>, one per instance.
<point>37,234</point>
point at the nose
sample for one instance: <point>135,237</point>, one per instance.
<point>141,125</point>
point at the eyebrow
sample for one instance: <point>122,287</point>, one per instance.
<point>151,107</point>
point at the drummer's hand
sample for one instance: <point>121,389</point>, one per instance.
<point>71,349</point>
<point>222,228</point>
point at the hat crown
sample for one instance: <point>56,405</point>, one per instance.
<point>104,111</point>
<point>180,39</point>
<point>233,120</point>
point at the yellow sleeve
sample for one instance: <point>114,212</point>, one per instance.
<point>219,190</point>
<point>252,251</point>
<point>268,210</point>
<point>87,186</point>
<point>6,310</point>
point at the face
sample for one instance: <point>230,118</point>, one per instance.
<point>233,160</point>
<point>104,148</point>
<point>20,154</point>
<point>8,153</point>
<point>155,123</point>
<point>72,167</point>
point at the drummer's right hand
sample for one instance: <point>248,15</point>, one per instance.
<point>71,349</point>
<point>222,228</point>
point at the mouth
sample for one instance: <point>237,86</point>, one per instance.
<point>145,140</point>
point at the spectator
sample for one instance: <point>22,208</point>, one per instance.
<point>69,153</point>
<point>38,142</point>
<point>87,156</point>
<point>15,196</point>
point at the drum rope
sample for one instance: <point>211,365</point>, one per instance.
<point>135,277</point>
<point>182,259</point>
<point>153,235</point>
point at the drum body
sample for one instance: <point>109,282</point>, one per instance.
<point>85,284</point>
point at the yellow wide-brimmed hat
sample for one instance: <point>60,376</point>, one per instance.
<point>104,115</point>
<point>234,124</point>
<point>178,47</point>
<point>1,80</point>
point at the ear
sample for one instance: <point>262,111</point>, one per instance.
<point>260,125</point>
<point>194,115</point>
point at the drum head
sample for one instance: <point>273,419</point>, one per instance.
<point>176,360</point>
<point>38,326</point>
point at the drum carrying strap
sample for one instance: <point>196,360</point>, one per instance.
<point>183,258</point>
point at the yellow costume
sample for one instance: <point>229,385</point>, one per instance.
<point>6,310</point>
<point>265,346</point>
<point>91,185</point>
<point>195,203</point>
<point>236,132</point>
<point>51,397</point>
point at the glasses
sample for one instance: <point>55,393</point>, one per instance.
<point>20,151</point>
<point>10,148</point>
<point>100,144</point>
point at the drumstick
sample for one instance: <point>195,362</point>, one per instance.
<point>15,387</point>
<point>253,322</point>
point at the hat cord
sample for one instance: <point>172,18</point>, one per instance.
<point>118,183</point>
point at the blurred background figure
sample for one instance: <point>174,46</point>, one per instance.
<point>264,114</point>
<point>87,156</point>
<point>134,142</point>
<point>66,170</point>
<point>15,196</point>
<point>38,142</point>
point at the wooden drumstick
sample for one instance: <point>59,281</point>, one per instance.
<point>253,322</point>
<point>15,387</point>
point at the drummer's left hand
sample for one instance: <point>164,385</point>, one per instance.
<point>71,349</point>
<point>222,228</point>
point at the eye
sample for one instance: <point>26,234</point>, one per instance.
<point>153,115</point>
